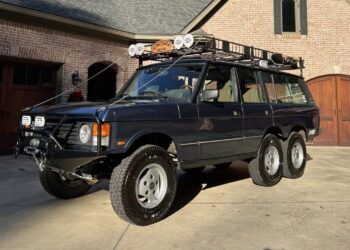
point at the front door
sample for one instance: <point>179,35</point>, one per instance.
<point>220,120</point>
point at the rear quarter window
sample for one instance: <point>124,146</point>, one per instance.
<point>289,90</point>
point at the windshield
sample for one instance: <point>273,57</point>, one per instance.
<point>163,82</point>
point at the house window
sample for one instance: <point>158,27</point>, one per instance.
<point>290,16</point>
<point>34,75</point>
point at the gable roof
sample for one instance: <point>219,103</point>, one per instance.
<point>146,17</point>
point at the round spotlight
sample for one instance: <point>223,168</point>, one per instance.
<point>140,48</point>
<point>132,50</point>
<point>188,41</point>
<point>178,42</point>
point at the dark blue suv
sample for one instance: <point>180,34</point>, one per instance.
<point>184,113</point>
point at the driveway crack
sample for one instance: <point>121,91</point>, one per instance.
<point>121,237</point>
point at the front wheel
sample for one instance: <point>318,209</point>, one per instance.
<point>62,186</point>
<point>266,168</point>
<point>142,188</point>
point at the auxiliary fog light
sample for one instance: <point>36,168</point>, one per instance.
<point>39,121</point>
<point>188,41</point>
<point>105,134</point>
<point>26,120</point>
<point>132,50</point>
<point>84,134</point>
<point>178,42</point>
<point>140,48</point>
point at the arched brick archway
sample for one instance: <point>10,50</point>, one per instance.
<point>102,86</point>
<point>331,94</point>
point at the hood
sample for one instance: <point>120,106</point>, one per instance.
<point>124,111</point>
<point>81,108</point>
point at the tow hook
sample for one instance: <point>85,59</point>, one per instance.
<point>33,151</point>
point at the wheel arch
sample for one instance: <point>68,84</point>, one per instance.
<point>161,139</point>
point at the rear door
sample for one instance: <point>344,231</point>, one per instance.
<point>256,108</point>
<point>220,120</point>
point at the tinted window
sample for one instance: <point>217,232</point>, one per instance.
<point>19,74</point>
<point>270,88</point>
<point>222,78</point>
<point>251,90</point>
<point>35,75</point>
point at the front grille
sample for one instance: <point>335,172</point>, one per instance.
<point>67,134</point>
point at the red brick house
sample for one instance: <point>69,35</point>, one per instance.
<point>43,42</point>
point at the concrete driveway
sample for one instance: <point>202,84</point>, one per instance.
<point>219,209</point>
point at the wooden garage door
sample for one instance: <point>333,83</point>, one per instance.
<point>21,85</point>
<point>331,94</point>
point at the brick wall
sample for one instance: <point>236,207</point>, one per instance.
<point>326,48</point>
<point>73,51</point>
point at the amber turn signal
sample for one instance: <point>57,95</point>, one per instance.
<point>105,129</point>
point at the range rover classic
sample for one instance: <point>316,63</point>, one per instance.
<point>205,102</point>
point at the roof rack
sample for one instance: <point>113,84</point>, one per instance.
<point>207,46</point>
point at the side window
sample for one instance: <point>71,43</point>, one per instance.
<point>267,80</point>
<point>297,93</point>
<point>282,89</point>
<point>251,90</point>
<point>222,78</point>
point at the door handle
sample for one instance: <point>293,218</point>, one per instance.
<point>236,113</point>
<point>267,112</point>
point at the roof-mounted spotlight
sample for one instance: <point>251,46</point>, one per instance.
<point>178,42</point>
<point>132,50</point>
<point>188,41</point>
<point>140,48</point>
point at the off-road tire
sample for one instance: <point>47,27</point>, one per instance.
<point>197,170</point>
<point>256,167</point>
<point>54,184</point>
<point>289,170</point>
<point>123,184</point>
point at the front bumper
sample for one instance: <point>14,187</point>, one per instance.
<point>53,152</point>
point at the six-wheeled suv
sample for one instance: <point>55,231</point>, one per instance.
<point>204,104</point>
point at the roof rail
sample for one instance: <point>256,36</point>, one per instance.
<point>207,46</point>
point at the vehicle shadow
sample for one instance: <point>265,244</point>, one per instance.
<point>190,185</point>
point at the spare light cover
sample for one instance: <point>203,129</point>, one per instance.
<point>132,50</point>
<point>39,121</point>
<point>178,42</point>
<point>140,48</point>
<point>84,134</point>
<point>26,120</point>
<point>188,41</point>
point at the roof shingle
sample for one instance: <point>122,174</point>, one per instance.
<point>156,17</point>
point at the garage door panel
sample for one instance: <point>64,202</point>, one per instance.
<point>344,110</point>
<point>325,95</point>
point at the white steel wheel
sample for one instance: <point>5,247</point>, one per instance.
<point>266,169</point>
<point>294,151</point>
<point>272,160</point>
<point>151,186</point>
<point>297,155</point>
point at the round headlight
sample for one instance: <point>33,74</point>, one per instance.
<point>85,134</point>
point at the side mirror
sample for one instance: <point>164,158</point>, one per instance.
<point>209,95</point>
